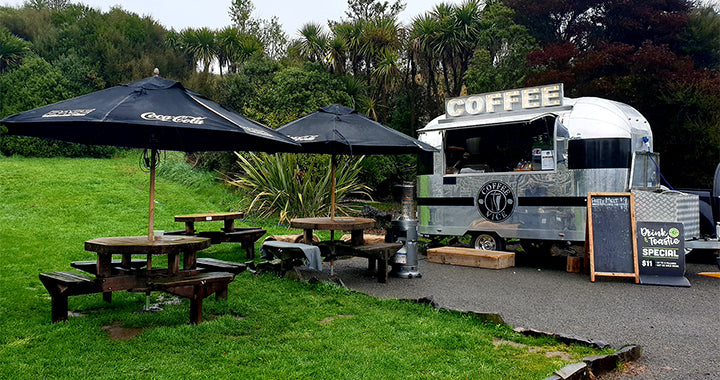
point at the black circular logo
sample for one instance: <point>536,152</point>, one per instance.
<point>495,201</point>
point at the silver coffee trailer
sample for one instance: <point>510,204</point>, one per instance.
<point>519,164</point>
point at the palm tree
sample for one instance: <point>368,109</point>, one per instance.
<point>336,54</point>
<point>313,42</point>
<point>387,72</point>
<point>467,24</point>
<point>351,32</point>
<point>228,44</point>
<point>250,45</point>
<point>379,35</point>
<point>201,43</point>
<point>422,45</point>
<point>447,37</point>
<point>12,49</point>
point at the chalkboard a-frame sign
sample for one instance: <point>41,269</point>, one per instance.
<point>611,235</point>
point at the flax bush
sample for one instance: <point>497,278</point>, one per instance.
<point>294,185</point>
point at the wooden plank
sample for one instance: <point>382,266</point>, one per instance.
<point>471,257</point>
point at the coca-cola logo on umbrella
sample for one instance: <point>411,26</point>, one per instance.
<point>183,119</point>
<point>496,201</point>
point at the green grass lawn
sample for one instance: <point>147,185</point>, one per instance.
<point>268,327</point>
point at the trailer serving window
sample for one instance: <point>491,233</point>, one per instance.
<point>501,148</point>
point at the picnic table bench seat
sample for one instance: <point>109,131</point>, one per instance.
<point>195,288</point>
<point>61,285</point>
<point>214,265</point>
<point>91,266</point>
<point>292,254</point>
<point>378,254</point>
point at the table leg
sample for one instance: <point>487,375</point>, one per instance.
<point>308,236</point>
<point>196,304</point>
<point>382,270</point>
<point>356,237</point>
<point>229,225</point>
<point>104,265</point>
<point>59,307</point>
<point>189,228</point>
<point>104,269</point>
<point>249,250</point>
<point>189,260</point>
<point>173,264</point>
<point>127,261</point>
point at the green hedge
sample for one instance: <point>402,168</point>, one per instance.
<point>35,147</point>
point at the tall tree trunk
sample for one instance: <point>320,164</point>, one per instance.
<point>445,76</point>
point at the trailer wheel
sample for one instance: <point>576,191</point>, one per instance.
<point>488,241</point>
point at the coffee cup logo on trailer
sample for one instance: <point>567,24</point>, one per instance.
<point>496,201</point>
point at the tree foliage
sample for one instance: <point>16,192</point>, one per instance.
<point>373,9</point>
<point>660,56</point>
<point>12,49</point>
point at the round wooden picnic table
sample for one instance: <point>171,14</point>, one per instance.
<point>354,225</point>
<point>126,246</point>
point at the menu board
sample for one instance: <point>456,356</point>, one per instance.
<point>611,235</point>
<point>661,253</point>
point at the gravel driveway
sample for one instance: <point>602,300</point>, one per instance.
<point>678,328</point>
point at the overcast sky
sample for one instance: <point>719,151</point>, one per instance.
<point>292,14</point>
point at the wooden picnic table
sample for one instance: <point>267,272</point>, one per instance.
<point>354,225</point>
<point>126,246</point>
<point>246,236</point>
<point>138,275</point>
<point>378,255</point>
<point>227,217</point>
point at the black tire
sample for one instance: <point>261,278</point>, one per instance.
<point>487,241</point>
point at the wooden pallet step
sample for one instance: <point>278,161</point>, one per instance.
<point>471,257</point>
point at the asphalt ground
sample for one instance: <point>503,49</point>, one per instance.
<point>678,327</point>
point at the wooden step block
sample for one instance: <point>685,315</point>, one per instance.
<point>471,257</point>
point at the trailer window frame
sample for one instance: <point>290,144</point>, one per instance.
<point>500,148</point>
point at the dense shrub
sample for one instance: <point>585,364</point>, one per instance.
<point>279,184</point>
<point>34,147</point>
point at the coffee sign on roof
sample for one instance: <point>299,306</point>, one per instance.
<point>505,101</point>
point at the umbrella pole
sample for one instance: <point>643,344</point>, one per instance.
<point>151,218</point>
<point>332,189</point>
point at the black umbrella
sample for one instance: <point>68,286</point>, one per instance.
<point>336,129</point>
<point>153,113</point>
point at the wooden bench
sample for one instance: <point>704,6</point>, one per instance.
<point>246,236</point>
<point>378,255</point>
<point>196,288</point>
<point>61,285</point>
<point>207,264</point>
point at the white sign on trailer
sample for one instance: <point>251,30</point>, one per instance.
<point>505,101</point>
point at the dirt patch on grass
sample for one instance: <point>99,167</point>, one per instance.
<point>562,355</point>
<point>330,319</point>
<point>117,332</point>
<point>628,371</point>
